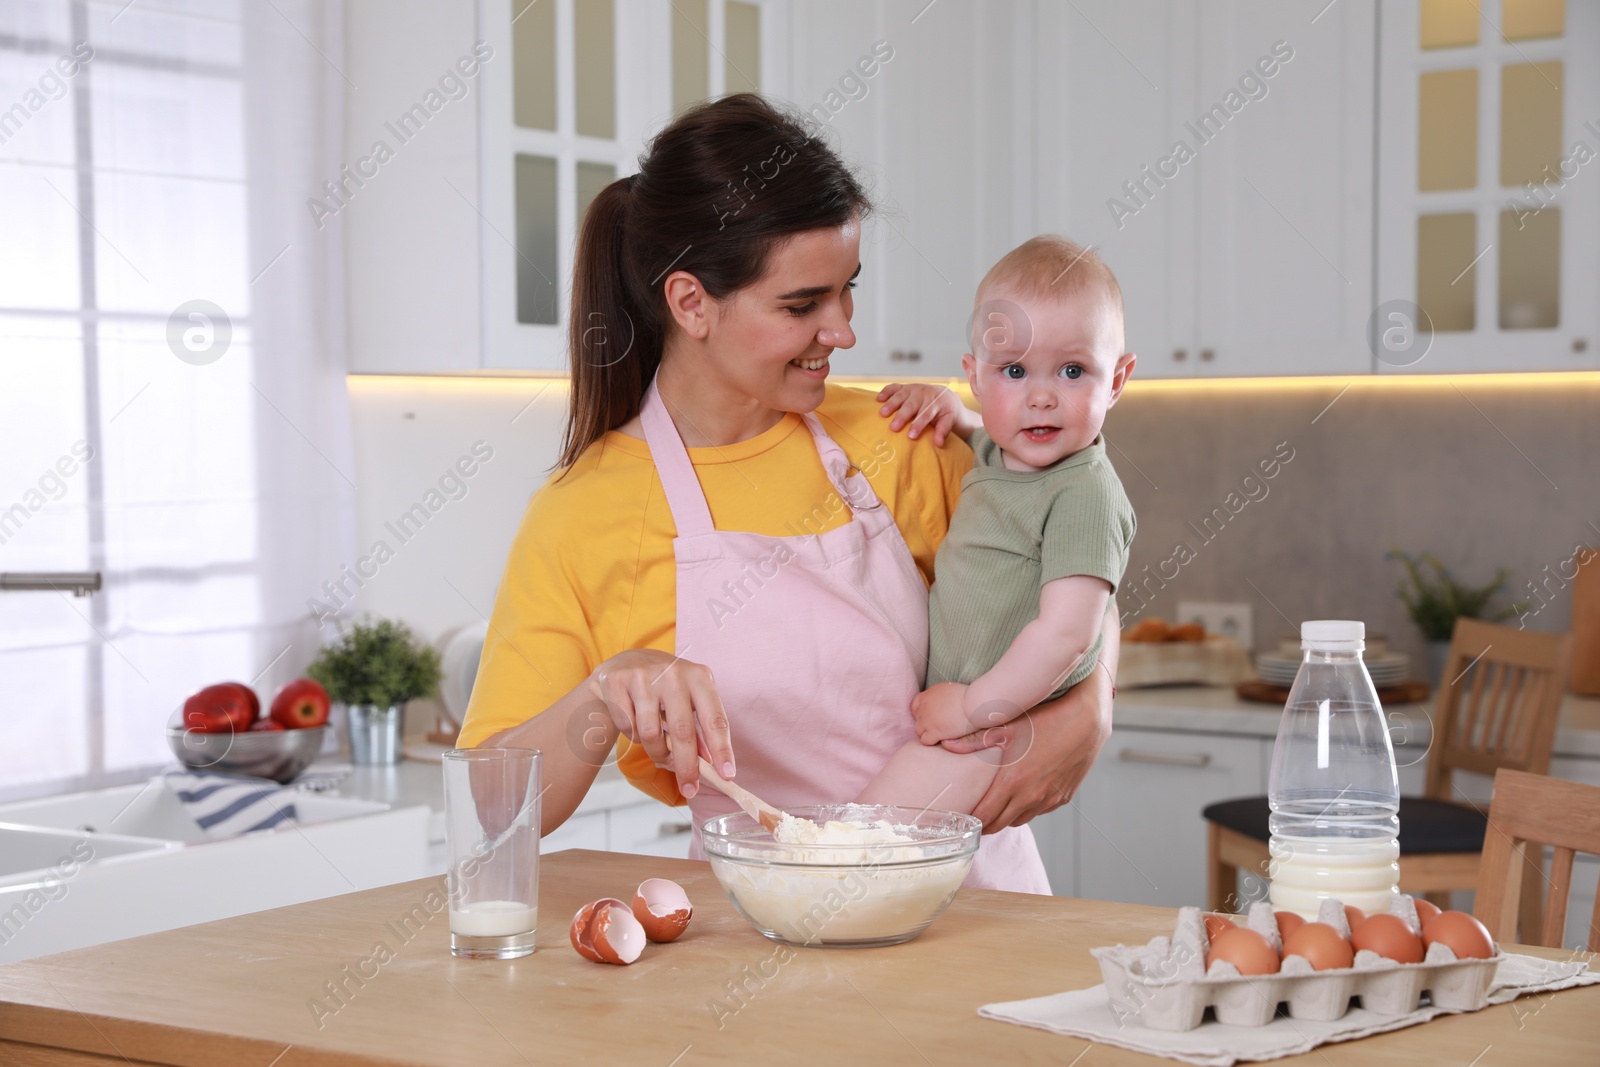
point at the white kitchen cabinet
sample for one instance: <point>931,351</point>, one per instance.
<point>941,135</point>
<point>1115,81</point>
<point>1140,835</point>
<point>1234,205</point>
<point>1284,212</point>
<point>1057,836</point>
<point>650,829</point>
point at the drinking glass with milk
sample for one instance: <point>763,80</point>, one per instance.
<point>491,810</point>
<point>1333,790</point>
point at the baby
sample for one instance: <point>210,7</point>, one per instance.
<point>1040,537</point>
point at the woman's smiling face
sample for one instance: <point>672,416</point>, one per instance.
<point>771,340</point>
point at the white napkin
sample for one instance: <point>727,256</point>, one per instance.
<point>1085,1013</point>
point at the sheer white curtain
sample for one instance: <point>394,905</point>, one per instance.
<point>172,394</point>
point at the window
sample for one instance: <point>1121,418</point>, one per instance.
<point>140,435</point>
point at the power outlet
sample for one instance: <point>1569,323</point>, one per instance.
<point>1229,620</point>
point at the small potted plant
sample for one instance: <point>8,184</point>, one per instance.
<point>373,670</point>
<point>1435,601</point>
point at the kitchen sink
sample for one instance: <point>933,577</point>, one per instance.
<point>86,868</point>
<point>151,810</point>
<point>31,854</point>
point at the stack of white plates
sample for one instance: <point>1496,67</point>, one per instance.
<point>1387,669</point>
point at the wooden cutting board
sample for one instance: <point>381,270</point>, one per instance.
<point>1585,675</point>
<point>1262,693</point>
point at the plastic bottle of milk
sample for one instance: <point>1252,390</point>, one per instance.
<point>1333,790</point>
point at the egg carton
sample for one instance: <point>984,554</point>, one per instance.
<point>1165,985</point>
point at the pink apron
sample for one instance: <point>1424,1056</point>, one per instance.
<point>817,643</point>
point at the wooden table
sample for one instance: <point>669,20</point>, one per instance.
<point>255,990</point>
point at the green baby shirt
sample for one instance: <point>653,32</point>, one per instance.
<point>1013,531</point>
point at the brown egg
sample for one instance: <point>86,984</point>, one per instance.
<point>1389,937</point>
<point>605,931</point>
<point>1425,910</point>
<point>1467,937</point>
<point>1321,946</point>
<point>1353,915</point>
<point>1288,923</point>
<point>662,908</point>
<point>1216,925</point>
<point>1245,949</point>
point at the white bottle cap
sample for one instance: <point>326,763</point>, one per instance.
<point>1334,634</point>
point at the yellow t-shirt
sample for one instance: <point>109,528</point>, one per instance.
<point>591,571</point>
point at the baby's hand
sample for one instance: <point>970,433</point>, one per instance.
<point>941,713</point>
<point>923,406</point>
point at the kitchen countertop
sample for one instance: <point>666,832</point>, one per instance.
<point>421,781</point>
<point>243,990</point>
<point>1215,709</point>
<point>1205,709</point>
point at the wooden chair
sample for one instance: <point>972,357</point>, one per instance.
<point>1530,809</point>
<point>1497,708</point>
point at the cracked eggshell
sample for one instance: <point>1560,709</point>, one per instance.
<point>662,908</point>
<point>599,935</point>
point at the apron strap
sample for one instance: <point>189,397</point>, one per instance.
<point>854,489</point>
<point>685,499</point>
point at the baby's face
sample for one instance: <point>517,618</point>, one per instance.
<point>1045,373</point>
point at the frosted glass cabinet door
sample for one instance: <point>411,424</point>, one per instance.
<point>1488,202</point>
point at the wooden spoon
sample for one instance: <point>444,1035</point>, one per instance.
<point>758,809</point>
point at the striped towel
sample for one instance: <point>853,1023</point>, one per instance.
<point>226,805</point>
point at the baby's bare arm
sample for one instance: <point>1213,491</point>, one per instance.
<point>1071,613</point>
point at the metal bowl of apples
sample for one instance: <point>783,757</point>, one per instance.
<point>221,729</point>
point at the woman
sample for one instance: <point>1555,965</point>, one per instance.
<point>730,553</point>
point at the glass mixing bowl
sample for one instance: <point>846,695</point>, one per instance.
<point>843,895</point>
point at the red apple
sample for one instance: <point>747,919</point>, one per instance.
<point>265,725</point>
<point>250,698</point>
<point>204,720</point>
<point>300,704</point>
<point>219,708</point>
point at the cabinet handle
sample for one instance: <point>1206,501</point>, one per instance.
<point>1208,354</point>
<point>914,356</point>
<point>1169,759</point>
<point>1180,354</point>
<point>673,829</point>
<point>896,355</point>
